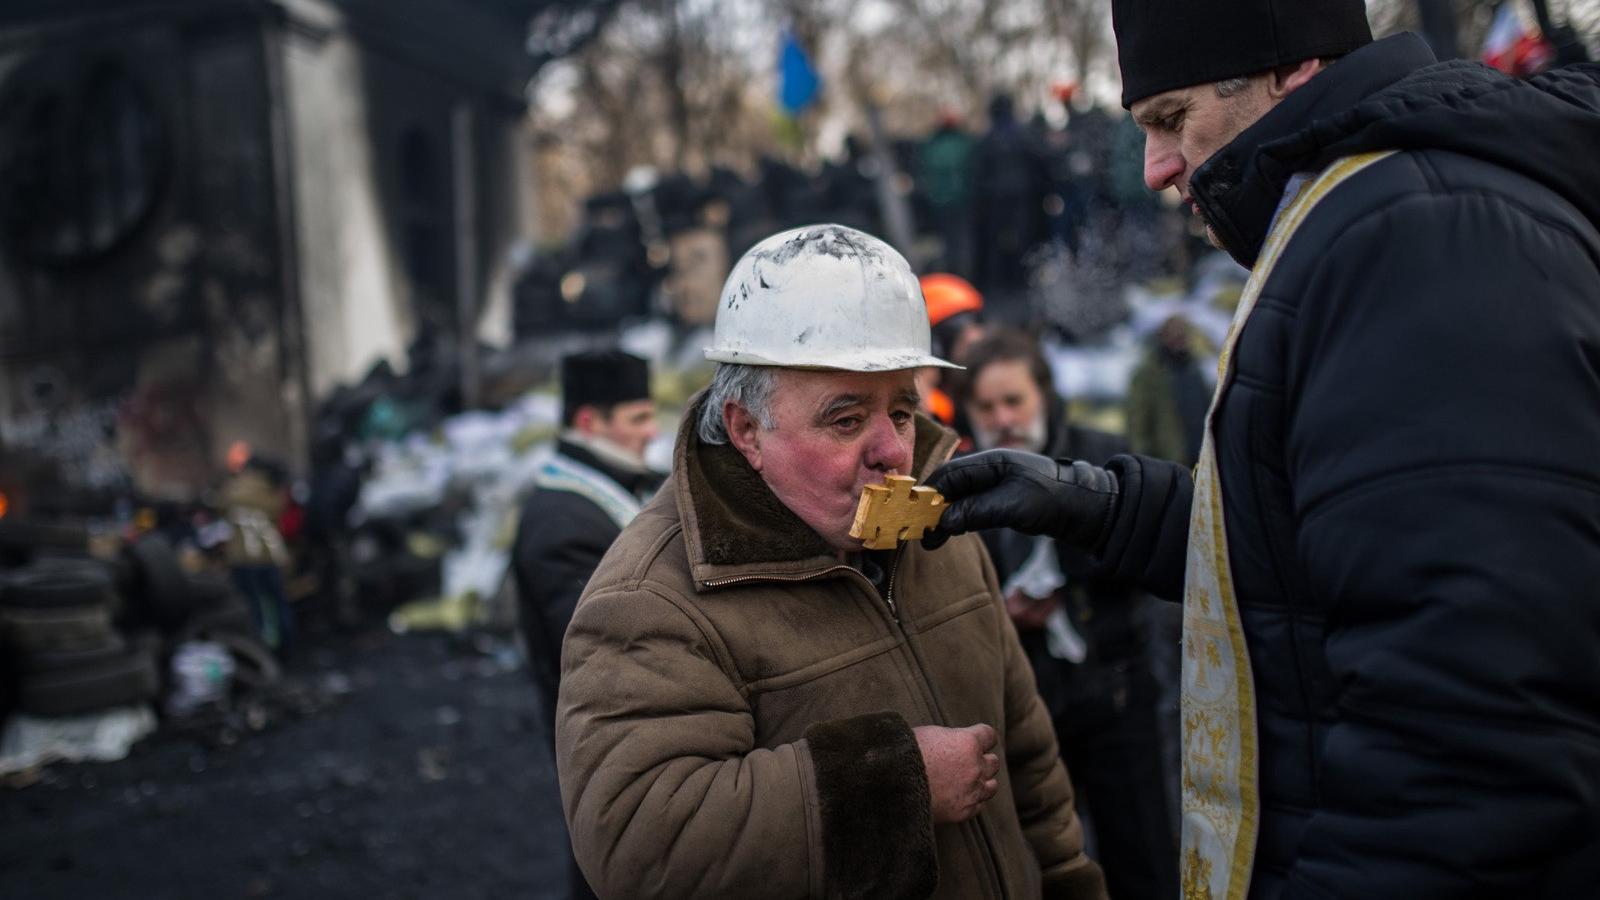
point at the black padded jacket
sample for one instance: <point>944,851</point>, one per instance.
<point>1409,457</point>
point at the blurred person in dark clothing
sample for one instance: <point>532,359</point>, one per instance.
<point>1389,550</point>
<point>955,313</point>
<point>592,486</point>
<point>1168,396</point>
<point>1088,640</point>
<point>786,195</point>
<point>1011,176</point>
<point>584,495</point>
<point>850,187</point>
<point>944,176</point>
<point>252,500</point>
<point>335,486</point>
<point>1079,165</point>
<point>1166,407</point>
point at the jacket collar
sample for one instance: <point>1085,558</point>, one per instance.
<point>734,527</point>
<point>1239,188</point>
<point>636,481</point>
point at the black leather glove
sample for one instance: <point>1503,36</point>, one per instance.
<point>1071,501</point>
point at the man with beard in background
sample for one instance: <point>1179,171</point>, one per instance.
<point>1087,639</point>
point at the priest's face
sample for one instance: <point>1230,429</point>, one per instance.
<point>833,433</point>
<point>1184,127</point>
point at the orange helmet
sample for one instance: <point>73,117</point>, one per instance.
<point>947,295</point>
<point>940,406</point>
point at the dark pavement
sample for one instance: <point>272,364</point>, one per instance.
<point>411,766</point>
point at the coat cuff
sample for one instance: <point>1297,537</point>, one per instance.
<point>1149,535</point>
<point>1085,882</point>
<point>877,817</point>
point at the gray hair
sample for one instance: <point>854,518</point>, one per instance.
<point>1227,87</point>
<point>749,386</point>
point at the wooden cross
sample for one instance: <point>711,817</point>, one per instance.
<point>897,510</point>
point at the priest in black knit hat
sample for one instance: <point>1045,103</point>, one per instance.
<point>585,493</point>
<point>1388,555</point>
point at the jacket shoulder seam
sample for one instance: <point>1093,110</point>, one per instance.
<point>708,632</point>
<point>639,573</point>
<point>1454,196</point>
<point>639,580</point>
<point>1301,277</point>
<point>1428,169</point>
<point>1275,304</point>
<point>1433,471</point>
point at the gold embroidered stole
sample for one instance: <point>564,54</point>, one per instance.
<point>1221,802</point>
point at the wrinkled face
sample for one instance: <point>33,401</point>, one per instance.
<point>834,433</point>
<point>631,425</point>
<point>1007,407</point>
<point>1185,127</point>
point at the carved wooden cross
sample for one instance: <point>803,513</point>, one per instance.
<point>897,510</point>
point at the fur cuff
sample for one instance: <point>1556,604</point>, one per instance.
<point>877,818</point>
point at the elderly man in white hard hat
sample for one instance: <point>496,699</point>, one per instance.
<point>752,704</point>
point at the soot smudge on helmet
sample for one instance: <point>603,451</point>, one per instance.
<point>834,241</point>
<point>826,240</point>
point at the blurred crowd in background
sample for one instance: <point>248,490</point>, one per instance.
<point>282,314</point>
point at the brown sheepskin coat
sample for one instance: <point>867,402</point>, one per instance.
<point>736,707</point>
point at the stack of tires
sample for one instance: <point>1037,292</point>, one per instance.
<point>64,651</point>
<point>81,635</point>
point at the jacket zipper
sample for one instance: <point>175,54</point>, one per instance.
<point>888,594</point>
<point>807,576</point>
<point>922,671</point>
<point>984,835</point>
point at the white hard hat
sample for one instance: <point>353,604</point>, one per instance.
<point>823,297</point>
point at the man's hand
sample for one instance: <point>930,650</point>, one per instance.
<point>1070,501</point>
<point>961,770</point>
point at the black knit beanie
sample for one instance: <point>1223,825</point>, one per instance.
<point>1168,44</point>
